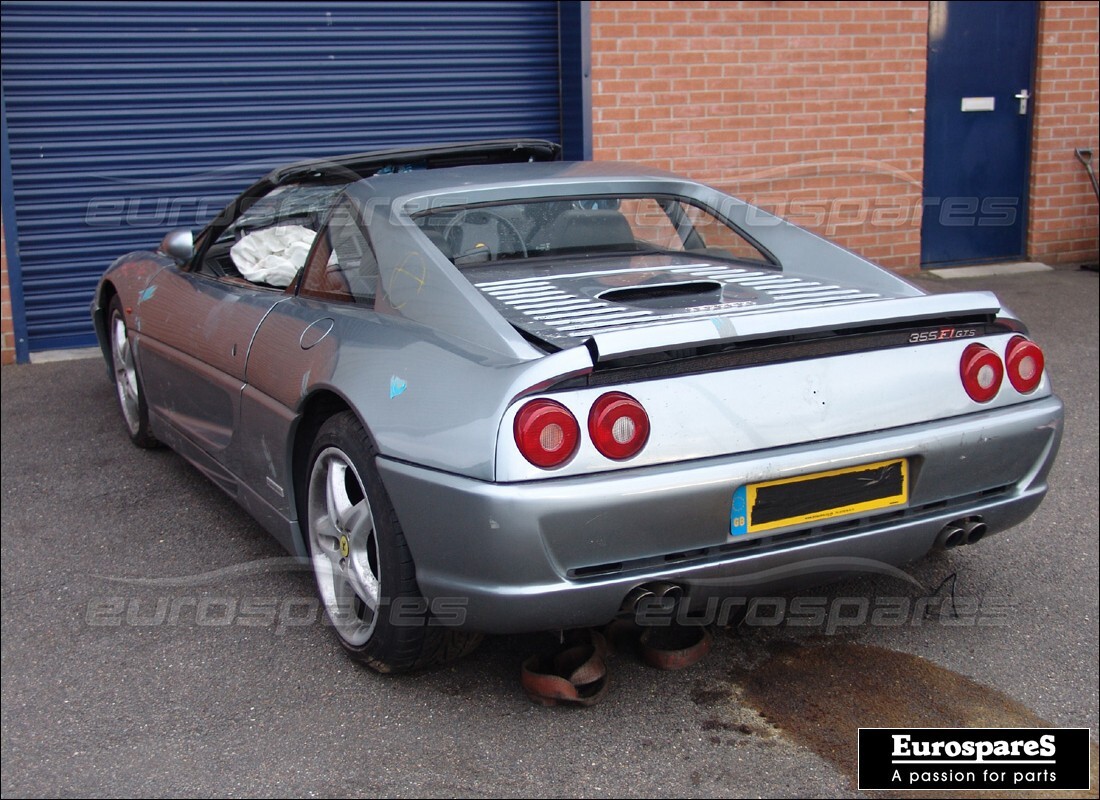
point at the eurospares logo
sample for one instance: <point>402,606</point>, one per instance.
<point>974,758</point>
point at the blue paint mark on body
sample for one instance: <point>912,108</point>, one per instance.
<point>147,293</point>
<point>397,386</point>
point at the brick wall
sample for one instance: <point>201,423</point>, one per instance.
<point>1063,222</point>
<point>814,110</point>
<point>7,329</point>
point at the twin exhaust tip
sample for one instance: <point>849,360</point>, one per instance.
<point>962,531</point>
<point>658,596</point>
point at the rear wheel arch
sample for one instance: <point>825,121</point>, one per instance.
<point>330,430</point>
<point>316,410</point>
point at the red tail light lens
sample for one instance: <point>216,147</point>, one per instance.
<point>546,433</point>
<point>982,373</point>
<point>618,425</point>
<point>1024,362</point>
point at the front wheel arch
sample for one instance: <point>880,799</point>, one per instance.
<point>107,292</point>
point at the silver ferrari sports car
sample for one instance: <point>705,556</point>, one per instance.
<point>484,390</point>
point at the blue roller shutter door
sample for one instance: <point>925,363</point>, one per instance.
<point>128,119</point>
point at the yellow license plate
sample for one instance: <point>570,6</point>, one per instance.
<point>806,499</point>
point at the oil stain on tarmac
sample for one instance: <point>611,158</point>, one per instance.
<point>819,696</point>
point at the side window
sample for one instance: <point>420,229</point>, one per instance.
<point>267,243</point>
<point>342,266</point>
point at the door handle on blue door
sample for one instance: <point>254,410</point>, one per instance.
<point>1023,96</point>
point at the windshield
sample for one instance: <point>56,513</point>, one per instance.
<point>477,235</point>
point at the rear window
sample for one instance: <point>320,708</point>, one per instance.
<point>536,229</point>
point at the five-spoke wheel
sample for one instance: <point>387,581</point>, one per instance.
<point>364,570</point>
<point>344,545</point>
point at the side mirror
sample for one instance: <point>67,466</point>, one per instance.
<point>179,244</point>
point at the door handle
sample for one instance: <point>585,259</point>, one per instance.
<point>1023,96</point>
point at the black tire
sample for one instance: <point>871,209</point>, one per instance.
<point>128,387</point>
<point>362,566</point>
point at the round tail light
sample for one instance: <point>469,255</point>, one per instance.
<point>618,425</point>
<point>1024,363</point>
<point>546,433</point>
<point>982,372</point>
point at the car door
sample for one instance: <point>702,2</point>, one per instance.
<point>298,345</point>
<point>196,321</point>
<point>194,333</point>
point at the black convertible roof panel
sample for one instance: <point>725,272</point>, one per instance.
<point>363,165</point>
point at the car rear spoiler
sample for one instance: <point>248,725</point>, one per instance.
<point>848,317</point>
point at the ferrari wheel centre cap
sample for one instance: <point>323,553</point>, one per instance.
<point>345,548</point>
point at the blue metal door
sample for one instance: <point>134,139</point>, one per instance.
<point>127,119</point>
<point>977,130</point>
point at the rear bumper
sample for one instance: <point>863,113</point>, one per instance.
<point>563,553</point>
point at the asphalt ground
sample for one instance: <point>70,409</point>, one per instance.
<point>152,645</point>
